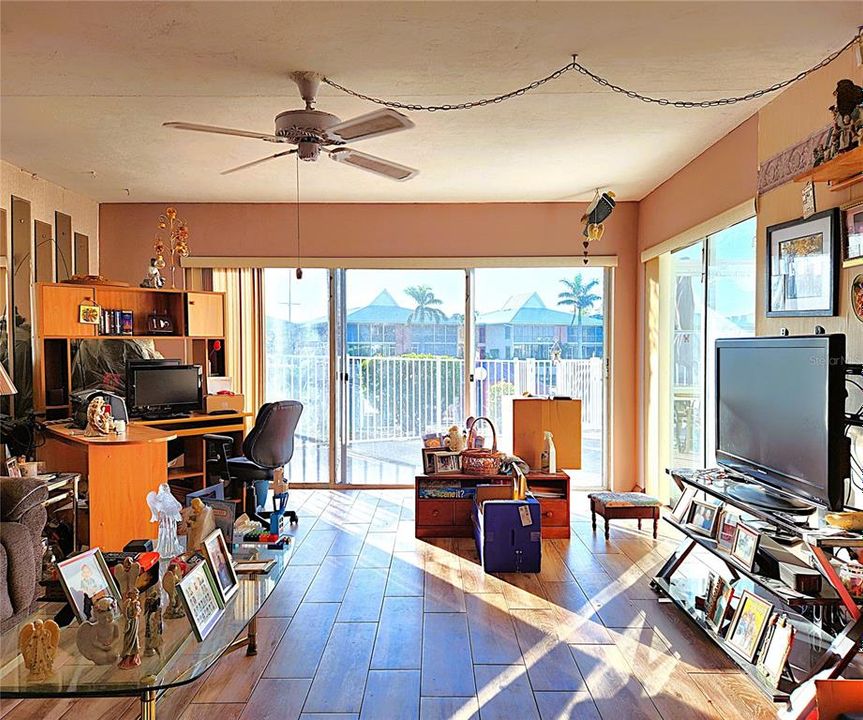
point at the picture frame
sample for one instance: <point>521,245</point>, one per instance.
<point>716,618</point>
<point>775,649</point>
<point>745,547</point>
<point>857,296</point>
<point>803,265</point>
<point>428,459</point>
<point>748,625</point>
<point>85,578</point>
<point>702,517</point>
<point>681,507</point>
<point>221,564</point>
<point>714,590</point>
<point>201,600</point>
<point>726,530</point>
<point>852,242</point>
<point>254,567</point>
<point>89,313</point>
<point>446,463</point>
<point>12,467</point>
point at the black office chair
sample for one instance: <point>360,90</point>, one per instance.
<point>270,445</point>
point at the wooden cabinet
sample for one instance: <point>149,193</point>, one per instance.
<point>532,416</point>
<point>57,308</point>
<point>205,314</point>
<point>451,516</point>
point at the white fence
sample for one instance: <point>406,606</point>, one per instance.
<point>401,398</point>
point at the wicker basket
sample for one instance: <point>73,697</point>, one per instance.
<point>481,461</point>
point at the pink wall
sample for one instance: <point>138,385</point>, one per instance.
<point>722,177</point>
<point>126,231</point>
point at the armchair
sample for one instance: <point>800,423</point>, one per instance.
<point>22,520</point>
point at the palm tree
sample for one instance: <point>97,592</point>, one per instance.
<point>579,297</point>
<point>426,310</point>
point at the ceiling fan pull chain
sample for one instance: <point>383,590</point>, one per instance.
<point>599,80</point>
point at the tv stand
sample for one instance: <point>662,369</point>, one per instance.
<point>763,498</point>
<point>828,624</point>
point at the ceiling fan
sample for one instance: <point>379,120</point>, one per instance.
<point>314,131</point>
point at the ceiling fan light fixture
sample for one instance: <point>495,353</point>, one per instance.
<point>373,124</point>
<point>373,164</point>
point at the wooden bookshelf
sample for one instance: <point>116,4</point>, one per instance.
<point>197,317</point>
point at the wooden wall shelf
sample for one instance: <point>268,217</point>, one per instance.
<point>841,172</point>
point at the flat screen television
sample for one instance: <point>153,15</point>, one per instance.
<point>143,363</point>
<point>165,389</point>
<point>780,418</point>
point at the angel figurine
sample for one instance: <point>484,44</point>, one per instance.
<point>169,584</point>
<point>153,624</point>
<point>127,578</point>
<point>97,639</point>
<point>199,522</point>
<point>166,511</point>
<point>38,642</point>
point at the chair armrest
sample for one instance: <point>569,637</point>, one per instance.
<point>213,437</point>
<point>20,495</point>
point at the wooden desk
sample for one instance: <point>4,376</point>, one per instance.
<point>119,470</point>
<point>189,432</point>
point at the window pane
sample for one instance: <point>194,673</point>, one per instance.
<point>730,303</point>
<point>687,353</point>
<point>297,363</point>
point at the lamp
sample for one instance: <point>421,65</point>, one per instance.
<point>7,387</point>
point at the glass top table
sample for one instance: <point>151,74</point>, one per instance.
<point>183,659</point>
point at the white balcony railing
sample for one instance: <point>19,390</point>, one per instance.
<point>401,398</point>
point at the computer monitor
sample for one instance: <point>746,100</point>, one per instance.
<point>143,363</point>
<point>166,389</point>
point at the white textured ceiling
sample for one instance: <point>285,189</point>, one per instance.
<point>86,87</point>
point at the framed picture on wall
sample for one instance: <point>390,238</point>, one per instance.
<point>852,250</point>
<point>803,266</point>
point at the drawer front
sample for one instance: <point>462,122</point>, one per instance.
<point>462,512</point>
<point>554,512</point>
<point>434,512</point>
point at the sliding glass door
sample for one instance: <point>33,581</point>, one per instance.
<point>710,294</point>
<point>298,362</point>
<point>404,368</point>
<point>379,359</point>
<point>542,331</point>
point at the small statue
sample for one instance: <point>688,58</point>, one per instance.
<point>38,642</point>
<point>166,511</point>
<point>99,418</point>
<point>175,607</point>
<point>127,578</point>
<point>97,639</point>
<point>455,439</point>
<point>154,279</point>
<point>199,522</point>
<point>153,624</point>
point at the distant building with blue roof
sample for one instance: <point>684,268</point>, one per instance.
<point>523,328</point>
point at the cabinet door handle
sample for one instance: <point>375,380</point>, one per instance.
<point>191,302</point>
<point>435,512</point>
<point>547,513</point>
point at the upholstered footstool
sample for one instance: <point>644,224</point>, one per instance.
<point>624,506</point>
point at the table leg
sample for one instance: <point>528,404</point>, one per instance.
<point>252,648</point>
<point>148,705</point>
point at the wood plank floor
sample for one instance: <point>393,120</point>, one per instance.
<point>371,624</point>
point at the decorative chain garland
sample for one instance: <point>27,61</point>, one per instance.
<point>575,65</point>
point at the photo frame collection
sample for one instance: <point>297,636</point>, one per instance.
<point>751,627</point>
<point>438,461</point>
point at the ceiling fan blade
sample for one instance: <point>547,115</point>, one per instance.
<point>257,162</point>
<point>222,131</point>
<point>373,164</point>
<point>373,124</point>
